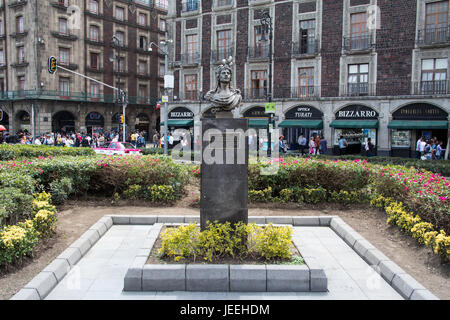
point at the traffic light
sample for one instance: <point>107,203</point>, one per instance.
<point>121,119</point>
<point>158,106</point>
<point>52,65</point>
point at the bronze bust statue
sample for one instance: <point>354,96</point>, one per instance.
<point>224,97</point>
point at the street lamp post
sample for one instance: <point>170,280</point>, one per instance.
<point>165,51</point>
<point>115,42</point>
<point>266,23</point>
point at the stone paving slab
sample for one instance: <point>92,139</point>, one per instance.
<point>99,272</point>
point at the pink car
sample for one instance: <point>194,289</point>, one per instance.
<point>118,148</point>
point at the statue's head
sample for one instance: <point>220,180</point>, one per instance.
<point>223,72</point>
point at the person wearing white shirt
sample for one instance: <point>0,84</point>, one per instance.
<point>37,141</point>
<point>418,147</point>
<point>170,141</point>
<point>422,146</point>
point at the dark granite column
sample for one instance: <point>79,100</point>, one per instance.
<point>224,171</point>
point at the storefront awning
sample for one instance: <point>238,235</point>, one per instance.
<point>412,124</point>
<point>257,123</point>
<point>179,123</point>
<point>350,124</point>
<point>309,124</point>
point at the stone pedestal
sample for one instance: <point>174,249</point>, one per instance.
<point>224,171</point>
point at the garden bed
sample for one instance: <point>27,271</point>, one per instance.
<point>155,257</point>
<point>221,276</point>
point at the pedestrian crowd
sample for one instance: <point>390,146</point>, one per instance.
<point>316,145</point>
<point>74,139</point>
<point>431,149</point>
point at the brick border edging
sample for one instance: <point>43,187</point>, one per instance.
<point>221,278</point>
<point>395,276</point>
<point>42,284</point>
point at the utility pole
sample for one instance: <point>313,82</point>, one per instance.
<point>266,22</point>
<point>168,83</point>
<point>115,42</point>
<point>166,93</point>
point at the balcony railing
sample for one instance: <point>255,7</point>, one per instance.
<point>72,96</point>
<point>95,41</point>
<point>189,6</point>
<point>219,55</point>
<point>359,42</point>
<point>431,36</point>
<point>304,92</point>
<point>163,5</point>
<point>310,47</point>
<point>438,87</point>
<point>65,36</point>
<point>255,93</point>
<point>223,3</point>
<point>192,58</point>
<point>258,52</point>
<point>357,89</point>
<point>189,96</point>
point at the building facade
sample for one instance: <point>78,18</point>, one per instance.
<point>352,68</point>
<point>79,33</point>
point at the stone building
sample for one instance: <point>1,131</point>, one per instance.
<point>78,33</point>
<point>356,68</point>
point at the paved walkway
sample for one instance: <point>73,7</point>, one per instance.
<point>99,274</point>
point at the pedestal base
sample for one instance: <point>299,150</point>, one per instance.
<point>224,185</point>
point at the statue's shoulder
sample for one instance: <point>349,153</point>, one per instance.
<point>210,93</point>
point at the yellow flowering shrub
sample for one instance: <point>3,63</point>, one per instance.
<point>260,195</point>
<point>44,222</point>
<point>412,224</point>
<point>225,240</point>
<point>42,205</point>
<point>180,243</point>
<point>419,229</point>
<point>16,242</point>
<point>43,196</point>
<point>271,242</point>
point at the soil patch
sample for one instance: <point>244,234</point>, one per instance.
<point>75,218</point>
<point>154,257</point>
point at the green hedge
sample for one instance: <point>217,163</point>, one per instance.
<point>104,176</point>
<point>437,166</point>
<point>10,152</point>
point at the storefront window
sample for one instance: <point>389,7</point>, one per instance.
<point>355,136</point>
<point>401,138</point>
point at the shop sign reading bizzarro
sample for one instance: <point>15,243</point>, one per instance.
<point>181,113</point>
<point>356,112</point>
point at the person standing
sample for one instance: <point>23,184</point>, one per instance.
<point>418,152</point>
<point>317,142</point>
<point>312,146</point>
<point>440,152</point>
<point>323,145</point>
<point>369,147</point>
<point>281,145</point>
<point>422,146</point>
<point>170,141</point>
<point>156,140</point>
<point>302,144</point>
<point>342,146</point>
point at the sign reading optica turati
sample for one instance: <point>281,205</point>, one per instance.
<point>52,65</point>
<point>304,112</point>
<point>181,113</point>
<point>356,112</point>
